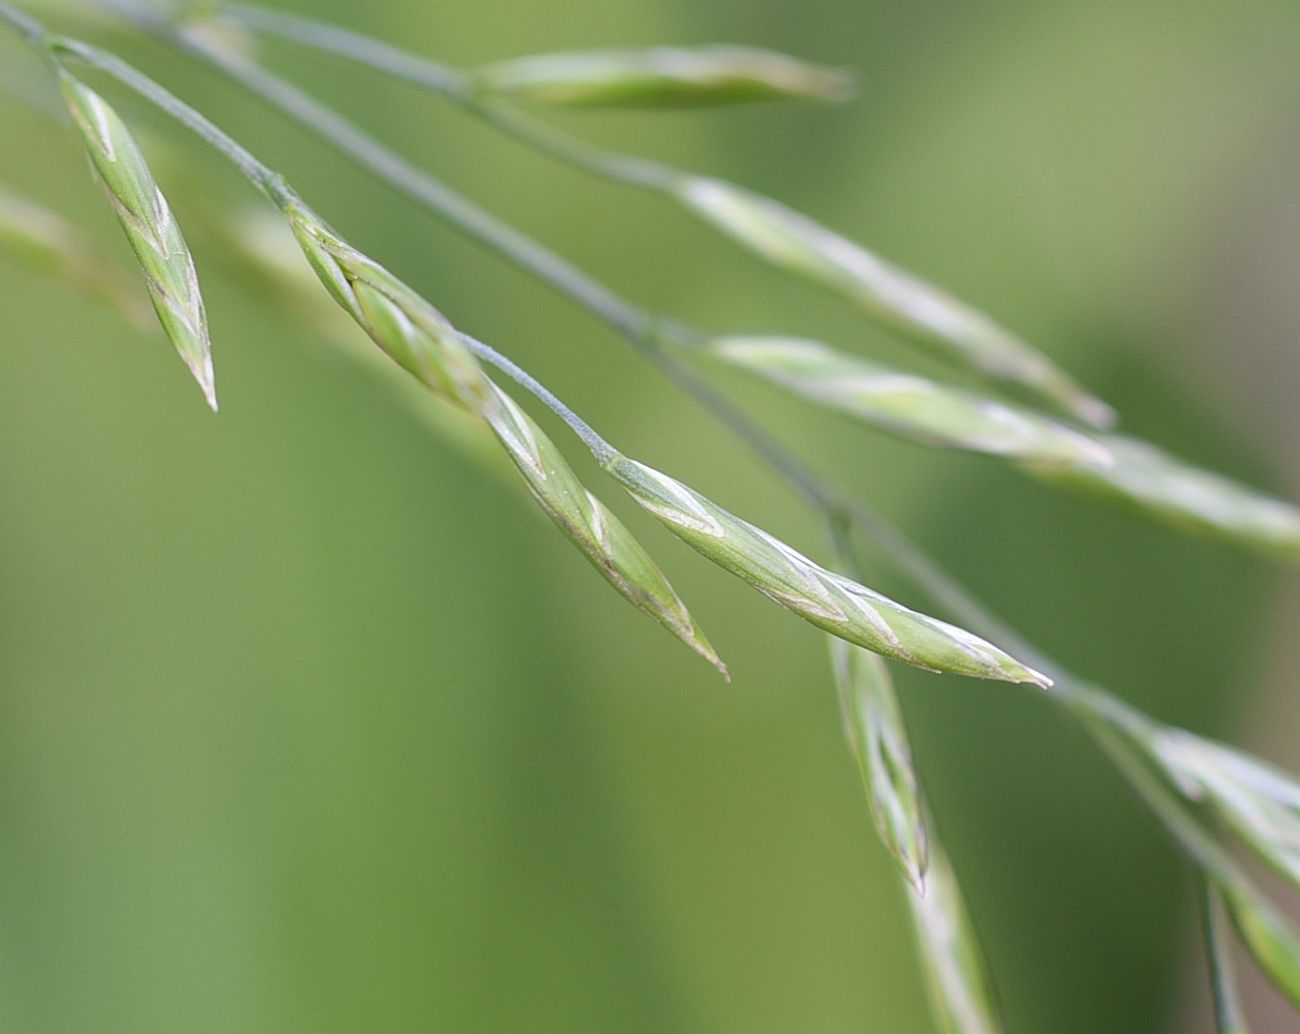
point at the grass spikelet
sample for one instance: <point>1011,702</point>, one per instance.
<point>880,746</point>
<point>904,404</point>
<point>600,535</point>
<point>412,332</point>
<point>1149,481</point>
<point>664,77</point>
<point>45,242</point>
<point>896,299</point>
<point>833,603</point>
<point>1271,940</point>
<point>150,228</point>
<point>961,994</point>
<point>1259,803</point>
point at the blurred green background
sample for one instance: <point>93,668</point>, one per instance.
<point>309,723</point>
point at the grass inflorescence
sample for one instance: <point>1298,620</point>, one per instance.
<point>1204,794</point>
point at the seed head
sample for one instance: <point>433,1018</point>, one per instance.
<point>663,77</point>
<point>880,746</point>
<point>147,220</point>
<point>961,994</point>
<point>47,243</point>
<point>1147,480</point>
<point>907,405</point>
<point>1270,938</point>
<point>830,601</point>
<point>891,296</point>
<point>412,332</point>
<point>1259,803</point>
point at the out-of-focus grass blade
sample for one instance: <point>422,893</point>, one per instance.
<point>883,754</point>
<point>894,298</point>
<point>664,77</point>
<point>1228,1014</point>
<point>1150,482</point>
<point>904,404</point>
<point>45,242</point>
<point>961,993</point>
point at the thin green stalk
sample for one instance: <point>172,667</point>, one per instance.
<point>1229,1016</point>
<point>463,214</point>
<point>1189,835</point>
<point>457,87</point>
<point>598,446</point>
<point>258,173</point>
<point>25,25</point>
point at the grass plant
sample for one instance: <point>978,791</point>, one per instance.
<point>1208,797</point>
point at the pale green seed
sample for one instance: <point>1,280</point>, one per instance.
<point>896,299</point>
<point>830,601</point>
<point>659,77</point>
<point>1258,802</point>
<point>1149,481</point>
<point>880,746</point>
<point>1271,940</point>
<point>600,535</point>
<point>961,993</point>
<point>45,242</point>
<point>904,404</point>
<point>412,332</point>
<point>150,228</point>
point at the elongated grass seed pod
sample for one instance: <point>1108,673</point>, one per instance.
<point>905,404</point>
<point>663,77</point>
<point>1150,482</point>
<point>830,601</point>
<point>880,746</point>
<point>412,332</point>
<point>150,228</point>
<point>1259,803</point>
<point>961,993</point>
<point>45,242</point>
<point>920,311</point>
<point>1270,938</point>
